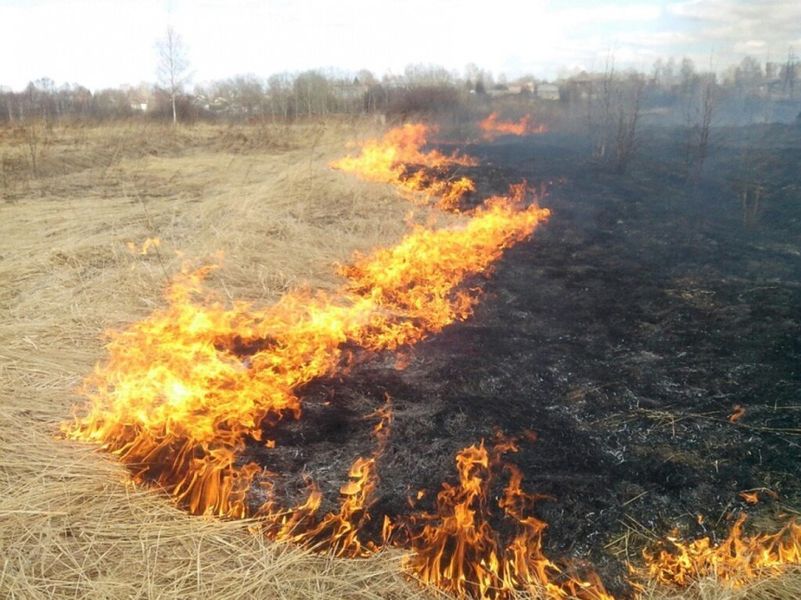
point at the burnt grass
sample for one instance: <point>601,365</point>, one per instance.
<point>623,334</point>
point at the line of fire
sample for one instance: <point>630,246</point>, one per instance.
<point>226,406</point>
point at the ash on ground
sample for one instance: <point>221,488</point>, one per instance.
<point>649,334</point>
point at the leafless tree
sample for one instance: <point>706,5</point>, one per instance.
<point>313,92</point>
<point>173,66</point>
<point>751,197</point>
<point>601,131</point>
<point>279,92</point>
<point>789,73</point>
<point>699,147</point>
<point>629,104</point>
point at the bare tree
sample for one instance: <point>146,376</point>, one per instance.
<point>173,66</point>
<point>279,91</point>
<point>789,73</point>
<point>698,140</point>
<point>629,103</point>
<point>751,197</point>
<point>601,131</point>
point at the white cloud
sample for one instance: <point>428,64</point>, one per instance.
<point>75,41</point>
<point>736,21</point>
<point>101,43</point>
<point>606,13</point>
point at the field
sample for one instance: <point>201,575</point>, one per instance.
<point>72,525</point>
<point>625,334</point>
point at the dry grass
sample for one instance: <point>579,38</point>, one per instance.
<point>784,587</point>
<point>71,523</point>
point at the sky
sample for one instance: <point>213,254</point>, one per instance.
<point>108,43</point>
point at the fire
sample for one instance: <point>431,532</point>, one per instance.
<point>737,413</point>
<point>182,391</point>
<point>149,243</point>
<point>458,551</point>
<point>737,560</point>
<point>340,532</point>
<point>749,497</point>
<point>492,128</point>
<point>399,158</point>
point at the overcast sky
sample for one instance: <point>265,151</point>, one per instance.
<point>105,43</point>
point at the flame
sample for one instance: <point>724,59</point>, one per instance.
<point>749,497</point>
<point>458,551</point>
<point>149,243</point>
<point>340,532</point>
<point>182,391</point>
<point>399,158</point>
<point>737,413</point>
<point>737,560</point>
<point>492,128</point>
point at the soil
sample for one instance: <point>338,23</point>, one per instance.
<point>624,334</point>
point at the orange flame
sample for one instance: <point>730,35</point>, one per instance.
<point>458,551</point>
<point>737,413</point>
<point>492,128</point>
<point>149,243</point>
<point>749,497</point>
<point>338,532</point>
<point>399,158</point>
<point>182,390</point>
<point>737,560</point>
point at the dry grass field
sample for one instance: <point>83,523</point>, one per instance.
<point>72,524</point>
<point>77,204</point>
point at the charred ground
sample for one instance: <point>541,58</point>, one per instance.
<point>624,334</point>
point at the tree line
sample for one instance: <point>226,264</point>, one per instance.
<point>419,89</point>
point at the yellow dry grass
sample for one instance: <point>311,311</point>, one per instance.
<point>71,523</point>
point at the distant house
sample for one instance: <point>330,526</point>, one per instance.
<point>512,89</point>
<point>548,91</point>
<point>499,89</point>
<point>139,97</point>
